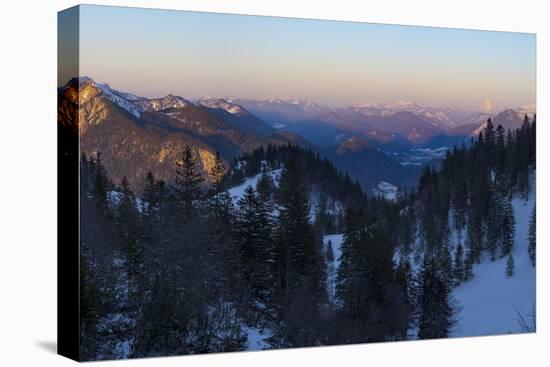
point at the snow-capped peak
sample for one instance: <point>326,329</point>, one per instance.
<point>159,104</point>
<point>113,95</point>
<point>528,109</point>
<point>223,104</point>
<point>403,103</point>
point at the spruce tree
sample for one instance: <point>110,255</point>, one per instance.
<point>490,141</point>
<point>532,237</point>
<point>92,299</point>
<point>217,173</point>
<point>510,266</point>
<point>247,236</point>
<point>458,267</point>
<point>188,183</point>
<point>129,229</point>
<point>101,184</point>
<point>219,201</point>
<point>404,278</point>
<point>494,222</point>
<point>435,309</point>
<point>367,286</point>
<point>300,262</point>
<point>265,188</point>
<point>255,246</point>
<point>468,266</point>
<point>149,193</point>
<point>508,228</point>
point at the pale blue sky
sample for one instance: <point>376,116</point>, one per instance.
<point>156,52</point>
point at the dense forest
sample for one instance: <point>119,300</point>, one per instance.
<point>183,268</point>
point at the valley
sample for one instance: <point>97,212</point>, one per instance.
<point>372,143</point>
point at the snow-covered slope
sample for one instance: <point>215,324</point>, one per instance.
<point>237,192</point>
<point>386,190</point>
<point>116,98</point>
<point>222,104</point>
<point>256,338</point>
<point>490,301</point>
<point>164,103</point>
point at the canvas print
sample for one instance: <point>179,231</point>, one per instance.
<point>241,183</point>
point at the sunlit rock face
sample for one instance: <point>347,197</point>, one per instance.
<point>136,135</point>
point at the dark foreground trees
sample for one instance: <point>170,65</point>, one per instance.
<point>182,268</point>
<point>374,297</point>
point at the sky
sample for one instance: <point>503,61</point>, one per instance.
<point>153,53</point>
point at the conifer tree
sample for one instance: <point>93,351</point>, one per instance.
<point>435,309</point>
<point>532,237</point>
<point>219,201</point>
<point>217,173</point>
<point>265,188</point>
<point>149,193</point>
<point>490,142</point>
<point>92,296</point>
<point>129,228</point>
<point>188,182</point>
<point>255,246</point>
<point>510,266</point>
<point>500,153</point>
<point>508,228</point>
<point>366,284</point>
<point>247,236</point>
<point>404,278</point>
<point>299,260</point>
<point>468,265</point>
<point>494,222</point>
<point>101,183</point>
<point>458,267</point>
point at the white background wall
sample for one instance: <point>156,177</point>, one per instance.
<point>28,181</point>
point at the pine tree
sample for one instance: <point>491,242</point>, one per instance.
<point>508,228</point>
<point>265,188</point>
<point>501,163</point>
<point>490,142</point>
<point>255,246</point>
<point>367,286</point>
<point>154,194</point>
<point>188,183</point>
<point>247,236</point>
<point>468,266</point>
<point>217,173</point>
<point>521,162</point>
<point>435,309</point>
<point>404,278</point>
<point>510,266</point>
<point>532,237</point>
<point>160,329</point>
<point>219,201</point>
<point>92,296</point>
<point>458,267</point>
<point>460,204</point>
<point>299,261</point>
<point>494,222</point>
<point>128,225</point>
<point>149,194</point>
<point>101,183</point>
<point>347,276</point>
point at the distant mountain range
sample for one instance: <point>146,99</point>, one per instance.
<point>401,123</point>
<point>136,135</point>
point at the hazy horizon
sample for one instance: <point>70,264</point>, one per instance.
<point>152,53</point>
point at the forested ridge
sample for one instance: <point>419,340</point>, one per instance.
<point>185,268</point>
